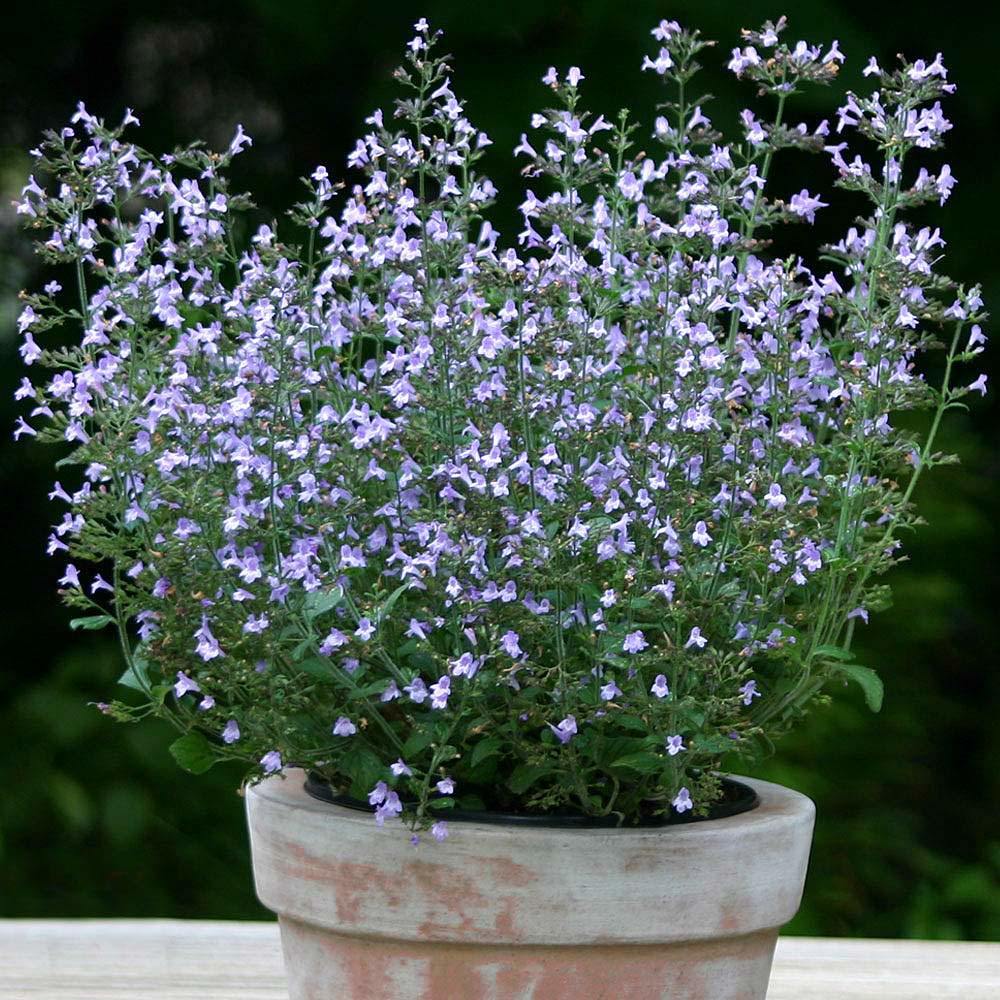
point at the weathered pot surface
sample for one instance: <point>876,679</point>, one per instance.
<point>527,913</point>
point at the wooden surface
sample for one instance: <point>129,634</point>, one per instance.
<point>209,960</point>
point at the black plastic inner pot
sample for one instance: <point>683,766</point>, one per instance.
<point>736,798</point>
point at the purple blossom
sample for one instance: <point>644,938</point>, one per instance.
<point>700,535</point>
<point>386,801</point>
<point>208,647</point>
<point>749,692</point>
<point>185,684</point>
<point>696,639</point>
<point>271,762</point>
<point>806,205</point>
<point>440,692</point>
<point>333,641</point>
<point>465,665</point>
<point>566,729</point>
<point>675,745</point>
<point>445,786</point>
<point>417,629</point>
<point>743,59</point>
<point>388,809</point>
<point>510,643</point>
<point>231,732</point>
<point>417,690</point>
<point>660,688</point>
<point>682,802</point>
<point>610,691</point>
<point>344,727</point>
<point>400,768</point>
<point>635,642</point>
<point>775,499</point>
<point>439,830</point>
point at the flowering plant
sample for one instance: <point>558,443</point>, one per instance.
<point>561,523</point>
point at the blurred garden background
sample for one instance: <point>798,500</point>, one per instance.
<point>96,819</point>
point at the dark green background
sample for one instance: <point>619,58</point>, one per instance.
<point>95,820</point>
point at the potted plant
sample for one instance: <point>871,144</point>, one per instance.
<point>490,557</point>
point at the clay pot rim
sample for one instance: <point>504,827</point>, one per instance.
<point>333,868</point>
<point>779,807</point>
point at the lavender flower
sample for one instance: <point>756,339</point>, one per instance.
<point>660,688</point>
<point>749,691</point>
<point>610,691</point>
<point>344,727</point>
<point>696,639</point>
<point>184,685</point>
<point>566,729</point>
<point>386,801</point>
<point>700,535</point>
<point>440,692</point>
<point>635,642</point>
<point>510,643</point>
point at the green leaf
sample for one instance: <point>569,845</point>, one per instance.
<point>193,752</point>
<point>869,681</point>
<point>834,653</point>
<point>91,622</point>
<point>443,803</point>
<point>136,676</point>
<point>316,667</point>
<point>419,740</point>
<point>159,693</point>
<point>642,763</point>
<point>632,722</point>
<point>422,662</point>
<point>616,747</point>
<point>525,775</point>
<point>484,749</point>
<point>364,768</point>
<point>71,459</point>
<point>318,602</point>
<point>384,611</point>
<point>366,691</point>
<point>302,648</point>
<point>712,744</point>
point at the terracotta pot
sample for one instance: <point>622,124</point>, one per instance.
<point>527,913</point>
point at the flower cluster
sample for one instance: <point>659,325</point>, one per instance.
<point>557,522</point>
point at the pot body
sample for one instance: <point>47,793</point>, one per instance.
<point>527,913</point>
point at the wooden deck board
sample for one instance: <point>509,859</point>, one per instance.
<point>216,960</point>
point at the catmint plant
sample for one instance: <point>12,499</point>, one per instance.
<point>561,521</point>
